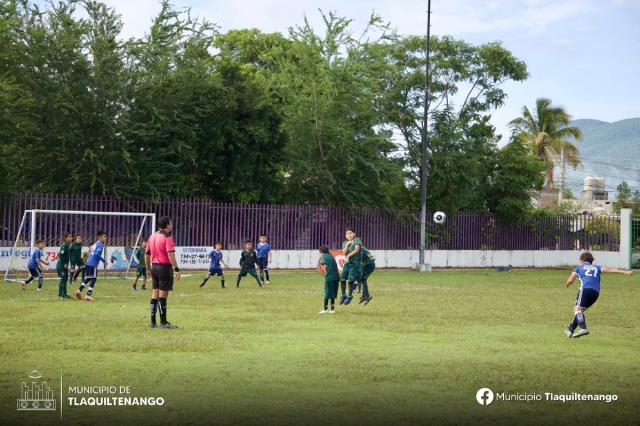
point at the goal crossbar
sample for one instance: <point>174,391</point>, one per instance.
<point>32,213</point>
<point>91,213</point>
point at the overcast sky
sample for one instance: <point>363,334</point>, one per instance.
<point>583,54</point>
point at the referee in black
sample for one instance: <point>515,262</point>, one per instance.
<point>160,258</point>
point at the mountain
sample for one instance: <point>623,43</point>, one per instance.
<point>587,123</point>
<point>610,150</point>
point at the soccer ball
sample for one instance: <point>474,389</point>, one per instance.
<point>439,217</point>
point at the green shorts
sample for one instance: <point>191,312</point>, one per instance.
<point>141,272</point>
<point>350,272</point>
<point>62,271</point>
<point>367,270</point>
<point>77,264</point>
<point>331,289</point>
<point>252,272</point>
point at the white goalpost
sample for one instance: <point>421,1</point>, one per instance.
<point>124,232</point>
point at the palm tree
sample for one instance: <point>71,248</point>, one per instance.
<point>548,131</point>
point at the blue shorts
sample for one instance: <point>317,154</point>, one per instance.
<point>92,272</point>
<point>586,297</point>
<point>263,263</point>
<point>35,272</point>
<point>212,272</point>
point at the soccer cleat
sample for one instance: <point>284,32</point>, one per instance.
<point>144,288</point>
<point>368,300</point>
<point>261,288</point>
<point>78,295</point>
<point>201,285</point>
<point>261,282</point>
<point>60,297</point>
<point>24,285</point>
<point>580,333</point>
<point>324,311</point>
<point>333,311</point>
<point>236,286</point>
<point>362,299</point>
<point>223,286</point>
<point>39,288</point>
<point>343,298</point>
<point>134,288</point>
<point>153,325</point>
<point>349,299</point>
<point>168,326</point>
<point>568,333</point>
<point>268,282</point>
<point>89,299</point>
<point>66,296</point>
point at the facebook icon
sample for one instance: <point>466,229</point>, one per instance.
<point>484,396</point>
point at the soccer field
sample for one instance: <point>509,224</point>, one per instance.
<point>417,354</point>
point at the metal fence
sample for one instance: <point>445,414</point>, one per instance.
<point>635,242</point>
<point>199,222</point>
<point>472,231</point>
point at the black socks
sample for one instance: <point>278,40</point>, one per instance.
<point>152,309</point>
<point>162,305</point>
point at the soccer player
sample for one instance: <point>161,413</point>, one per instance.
<point>328,266</point>
<point>589,276</point>
<point>368,266</point>
<point>141,266</point>
<point>215,257</point>
<point>95,257</point>
<point>161,262</point>
<point>77,263</point>
<point>62,267</point>
<point>264,257</point>
<point>248,260</point>
<point>351,267</point>
<point>35,266</point>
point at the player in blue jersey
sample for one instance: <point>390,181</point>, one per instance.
<point>264,258</point>
<point>95,257</point>
<point>215,257</point>
<point>589,276</point>
<point>35,266</point>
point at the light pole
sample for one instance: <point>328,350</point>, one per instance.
<point>425,139</point>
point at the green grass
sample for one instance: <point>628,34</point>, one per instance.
<point>416,354</point>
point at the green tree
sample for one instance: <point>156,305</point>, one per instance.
<point>625,198</point>
<point>465,85</point>
<point>518,174</point>
<point>243,116</point>
<point>169,95</point>
<point>567,194</point>
<point>15,101</point>
<point>337,153</point>
<point>74,74</point>
<point>548,131</point>
<point>206,121</point>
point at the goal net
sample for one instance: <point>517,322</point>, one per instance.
<point>124,233</point>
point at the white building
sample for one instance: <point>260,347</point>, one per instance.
<point>594,199</point>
